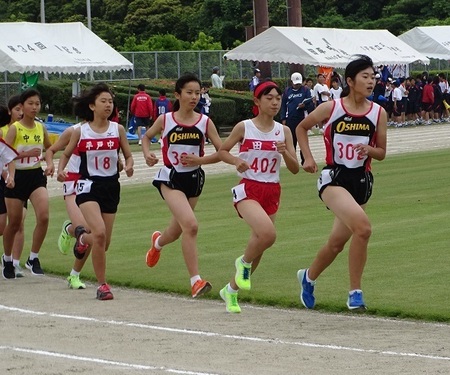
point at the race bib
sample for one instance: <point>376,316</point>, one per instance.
<point>84,186</point>
<point>163,174</point>
<point>239,193</point>
<point>69,187</point>
<point>325,178</point>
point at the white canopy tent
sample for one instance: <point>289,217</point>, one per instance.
<point>325,47</point>
<point>56,48</point>
<point>432,41</point>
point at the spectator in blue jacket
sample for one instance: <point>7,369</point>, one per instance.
<point>296,102</point>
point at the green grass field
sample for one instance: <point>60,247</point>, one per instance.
<point>408,269</point>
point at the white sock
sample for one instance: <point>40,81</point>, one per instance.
<point>16,262</point>
<point>157,247</point>
<point>230,289</point>
<point>74,273</point>
<point>307,277</point>
<point>7,258</point>
<point>33,256</point>
<point>194,279</point>
<point>354,291</point>
<point>248,265</point>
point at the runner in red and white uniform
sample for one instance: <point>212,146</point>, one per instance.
<point>98,190</point>
<point>69,193</point>
<point>354,134</point>
<point>263,143</point>
<point>180,181</point>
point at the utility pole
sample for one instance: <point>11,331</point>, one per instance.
<point>260,24</point>
<point>294,18</point>
<point>42,11</point>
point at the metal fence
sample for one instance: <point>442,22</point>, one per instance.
<point>172,64</point>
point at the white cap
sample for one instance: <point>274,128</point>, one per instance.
<point>378,76</point>
<point>296,78</point>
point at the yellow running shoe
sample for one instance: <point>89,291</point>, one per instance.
<point>230,299</point>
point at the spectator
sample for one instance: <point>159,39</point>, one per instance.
<point>322,94</point>
<point>216,80</point>
<point>443,84</point>
<point>296,100</point>
<point>427,101</point>
<point>413,103</point>
<point>438,100</point>
<point>142,109</point>
<point>335,90</point>
<point>397,104</point>
<point>256,79</point>
<point>162,105</point>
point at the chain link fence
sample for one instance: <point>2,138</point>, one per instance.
<point>172,64</point>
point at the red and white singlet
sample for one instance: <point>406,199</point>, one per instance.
<point>344,130</point>
<point>73,169</point>
<point>259,150</point>
<point>99,152</point>
<point>179,139</point>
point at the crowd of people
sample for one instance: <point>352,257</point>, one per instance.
<point>353,124</point>
<point>413,100</point>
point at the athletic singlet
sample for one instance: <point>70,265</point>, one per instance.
<point>259,150</point>
<point>99,152</point>
<point>73,165</point>
<point>179,139</point>
<point>344,130</point>
<point>7,153</point>
<point>28,139</point>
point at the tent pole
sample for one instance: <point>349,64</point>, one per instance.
<point>129,96</point>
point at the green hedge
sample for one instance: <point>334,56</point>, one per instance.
<point>228,106</point>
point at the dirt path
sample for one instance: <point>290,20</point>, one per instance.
<point>48,329</point>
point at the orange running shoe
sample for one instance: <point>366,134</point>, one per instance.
<point>200,287</point>
<point>153,254</point>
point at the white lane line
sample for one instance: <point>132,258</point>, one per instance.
<point>101,361</point>
<point>225,336</point>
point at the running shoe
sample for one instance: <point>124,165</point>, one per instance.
<point>75,282</point>
<point>34,266</point>
<point>79,249</point>
<point>18,271</point>
<point>355,301</point>
<point>200,287</point>
<point>230,299</point>
<point>153,254</point>
<point>307,290</point>
<point>242,277</point>
<point>104,293</point>
<point>64,239</point>
<point>8,269</point>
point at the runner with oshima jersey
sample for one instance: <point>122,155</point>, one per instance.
<point>354,134</point>
<point>263,143</point>
<point>180,181</point>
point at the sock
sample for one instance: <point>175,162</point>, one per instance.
<point>16,262</point>
<point>157,246</point>
<point>74,273</point>
<point>247,265</point>
<point>230,289</point>
<point>7,258</point>
<point>354,291</point>
<point>33,256</point>
<point>194,279</point>
<point>80,239</point>
<point>307,277</point>
<point>67,228</point>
